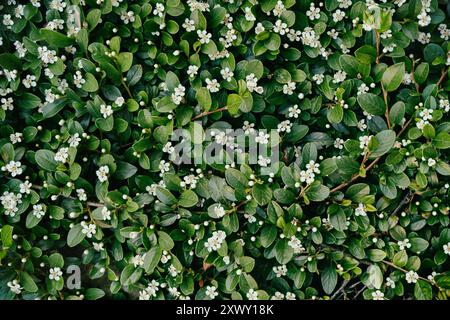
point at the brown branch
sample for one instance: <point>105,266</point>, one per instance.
<point>406,199</point>
<point>341,289</point>
<point>370,166</point>
<point>89,203</point>
<point>441,79</point>
<point>406,271</point>
<point>206,113</point>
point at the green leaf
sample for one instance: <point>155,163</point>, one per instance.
<point>152,258</point>
<point>188,199</point>
<point>124,170</point>
<point>10,62</point>
<point>423,290</point>
<point>204,98</point>
<point>52,109</point>
<point>125,61</point>
<point>375,276</point>
<point>75,235</point>
<point>442,140</point>
<point>268,235</point>
<point>283,252</point>
<point>317,192</point>
<point>282,76</point>
<point>262,193</point>
<point>7,152</point>
<point>234,102</point>
<point>385,141</point>
<point>6,236</point>
<point>91,84</point>
<point>56,39</point>
<point>130,275</point>
<point>165,196</point>
<point>376,255</point>
<point>32,220</point>
<point>393,76</point>
<point>134,74</point>
<point>335,114</point>
<point>236,179</point>
<point>397,112</point>
<point>372,103</point>
<point>337,217</point>
<point>400,258</point>
<point>165,241</point>
<point>443,280</point>
<point>46,159</point>
<point>328,278</point>
<point>94,294</point>
<point>27,282</point>
<point>421,73</point>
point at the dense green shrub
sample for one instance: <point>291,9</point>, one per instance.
<point>352,203</point>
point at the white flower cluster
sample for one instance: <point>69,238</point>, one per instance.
<point>308,175</point>
<point>89,229</point>
<point>402,245</point>
<point>151,290</point>
<point>102,173</point>
<point>296,244</point>
<point>426,115</point>
<point>215,241</point>
<point>178,94</point>
<point>13,167</point>
<point>10,202</point>
<point>280,271</point>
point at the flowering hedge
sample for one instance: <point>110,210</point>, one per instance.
<point>94,202</point>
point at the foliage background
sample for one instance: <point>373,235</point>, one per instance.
<point>97,85</point>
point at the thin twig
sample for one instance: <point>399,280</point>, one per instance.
<point>406,199</point>
<point>360,291</point>
<point>206,113</point>
<point>444,73</point>
<point>341,289</point>
<point>89,203</point>
<point>406,271</point>
<point>373,163</point>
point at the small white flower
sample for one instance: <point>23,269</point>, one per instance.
<point>404,244</point>
<point>204,36</point>
<point>89,229</point>
<point>15,287</point>
<point>102,173</point>
<point>212,85</point>
<point>13,167</point>
<point>378,295</point>
<point>189,25</point>
<point>106,214</point>
<point>446,248</point>
<point>227,74</point>
<point>252,295</point>
<point>411,277</point>
<point>62,155</point>
<point>128,17</point>
<point>262,138</point>
<point>81,194</point>
<point>192,71</point>
<point>159,10</point>
<point>55,273</point>
<point>38,210</point>
<point>106,110</point>
<point>211,292</point>
<point>360,210</point>
<point>280,271</point>
<point>119,101</point>
<point>294,111</point>
<point>74,140</point>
